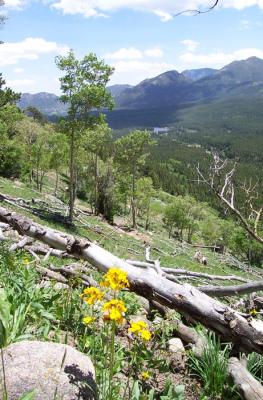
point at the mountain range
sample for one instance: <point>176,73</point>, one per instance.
<point>172,90</point>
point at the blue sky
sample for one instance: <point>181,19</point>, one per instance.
<point>141,38</point>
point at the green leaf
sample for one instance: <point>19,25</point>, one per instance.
<point>136,391</point>
<point>29,396</point>
<point>4,309</point>
<point>4,317</point>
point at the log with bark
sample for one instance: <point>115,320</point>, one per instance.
<point>246,384</point>
<point>185,298</point>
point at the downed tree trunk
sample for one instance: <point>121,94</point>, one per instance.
<point>223,291</point>
<point>185,272</point>
<point>185,298</point>
<point>247,385</point>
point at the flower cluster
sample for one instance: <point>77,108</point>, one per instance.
<point>114,310</point>
<point>141,330</point>
<point>92,295</point>
<point>116,279</point>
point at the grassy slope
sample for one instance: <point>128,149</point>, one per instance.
<point>128,244</point>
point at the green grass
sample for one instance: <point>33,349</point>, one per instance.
<point>171,252</point>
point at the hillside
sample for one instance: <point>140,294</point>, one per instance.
<point>55,285</point>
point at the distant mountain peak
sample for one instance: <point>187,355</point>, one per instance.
<point>199,73</point>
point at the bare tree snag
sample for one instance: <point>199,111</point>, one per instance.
<point>184,298</point>
<point>222,184</point>
<point>246,384</point>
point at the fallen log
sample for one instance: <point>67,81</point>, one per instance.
<point>185,272</point>
<point>21,244</point>
<point>246,384</point>
<point>185,298</point>
<point>223,291</point>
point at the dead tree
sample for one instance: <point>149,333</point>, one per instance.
<point>185,298</point>
<point>220,180</point>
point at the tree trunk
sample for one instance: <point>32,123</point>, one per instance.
<point>96,185</point>
<point>56,184</point>
<point>185,298</point>
<point>71,177</point>
<point>133,201</point>
<point>147,222</point>
<point>246,384</point>
<point>223,291</point>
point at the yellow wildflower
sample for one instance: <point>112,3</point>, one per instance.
<point>91,295</point>
<point>138,326</point>
<point>145,335</point>
<point>253,312</point>
<point>116,279</point>
<point>26,260</point>
<point>87,320</point>
<point>114,310</point>
<point>145,375</point>
<point>140,329</point>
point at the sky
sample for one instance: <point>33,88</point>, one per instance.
<point>140,38</point>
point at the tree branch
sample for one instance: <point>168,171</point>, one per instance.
<point>197,12</point>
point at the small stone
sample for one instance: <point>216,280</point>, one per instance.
<point>176,345</point>
<point>144,303</point>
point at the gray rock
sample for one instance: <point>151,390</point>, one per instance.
<point>144,303</point>
<point>176,345</point>
<point>49,369</point>
<point>177,354</point>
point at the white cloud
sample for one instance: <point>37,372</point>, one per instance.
<point>218,59</point>
<point>17,4</point>
<point>130,53</point>
<point>154,52</point>
<point>135,71</point>
<point>191,45</point>
<point>247,24</point>
<point>18,70</point>
<point>18,84</point>
<point>28,49</point>
<point>165,9</point>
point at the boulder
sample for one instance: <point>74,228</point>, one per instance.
<point>53,370</point>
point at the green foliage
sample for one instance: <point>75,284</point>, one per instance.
<point>255,366</point>
<point>84,90</point>
<point>183,215</point>
<point>212,370</point>
<point>7,96</point>
<point>131,152</point>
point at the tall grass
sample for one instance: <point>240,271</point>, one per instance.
<point>212,370</point>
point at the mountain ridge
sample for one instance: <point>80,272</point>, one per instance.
<point>172,90</point>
